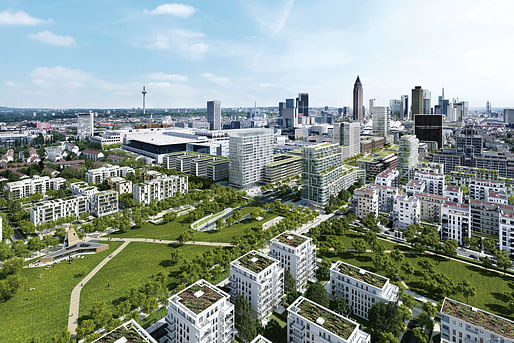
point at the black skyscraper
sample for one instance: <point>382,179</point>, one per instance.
<point>357,100</point>
<point>429,127</point>
<point>303,104</point>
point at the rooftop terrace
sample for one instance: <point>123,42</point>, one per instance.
<point>361,274</point>
<point>292,239</point>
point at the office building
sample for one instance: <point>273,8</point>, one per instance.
<point>462,175</point>
<point>407,154</point>
<point>429,128</point>
<point>504,164</point>
<point>85,125</point>
<point>389,177</point>
<point>200,313</point>
<point>448,157</point>
<point>250,150</point>
<point>120,184</point>
<point>455,222</point>
<point>360,288</point>
<point>289,114</point>
<point>371,109</point>
<point>366,202</point>
<point>430,207</point>
<point>198,164</point>
<point>284,166</point>
<point>297,255</point>
<point>159,188</point>
<point>214,115</point>
<point>404,108</point>
<point>322,175</point>
<point>395,106</point>
<point>427,95</point>
<point>348,134</point>
<point>37,184</point>
<point>377,162</point>
<point>380,121</point>
<point>469,143</point>
<point>260,279</point>
<point>50,210</point>
<point>464,323</point>
<point>508,116</point>
<point>417,101</point>
<point>505,230</point>
<point>309,322</point>
<point>358,102</point>
<point>303,104</point>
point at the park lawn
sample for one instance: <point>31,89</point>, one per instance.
<point>132,267</point>
<point>490,286</point>
<point>44,311</point>
<point>172,230</point>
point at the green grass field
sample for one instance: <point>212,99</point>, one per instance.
<point>172,230</point>
<point>44,311</point>
<point>132,267</point>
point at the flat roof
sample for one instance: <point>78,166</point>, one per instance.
<point>129,332</point>
<point>360,274</point>
<point>290,238</point>
<point>199,296</point>
<point>255,261</point>
<point>161,139</point>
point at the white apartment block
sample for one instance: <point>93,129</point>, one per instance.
<point>415,186</point>
<point>479,189</point>
<point>506,231</point>
<point>389,178</point>
<point>309,322</point>
<point>37,184</point>
<point>201,313</point>
<point>407,154</point>
<point>104,203</point>
<point>120,184</point>
<point>297,254</point>
<point>434,183</point>
<point>366,202</point>
<point>159,189</point>
<point>497,198</point>
<point>49,210</point>
<point>260,279</point>
<point>98,175</point>
<point>430,207</point>
<point>426,167</point>
<point>249,151</point>
<point>464,323</point>
<point>360,288</point>
<point>453,193</point>
<point>322,172</point>
<point>260,339</point>
<point>386,196</point>
<point>348,134</point>
<point>455,221</point>
<point>406,211</point>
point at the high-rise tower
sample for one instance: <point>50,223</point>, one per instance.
<point>144,98</point>
<point>417,101</point>
<point>357,100</point>
<point>214,115</point>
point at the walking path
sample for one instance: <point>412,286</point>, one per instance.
<point>75,294</point>
<point>164,241</point>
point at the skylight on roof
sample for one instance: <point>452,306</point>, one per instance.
<point>320,321</point>
<point>198,294</point>
<point>254,259</point>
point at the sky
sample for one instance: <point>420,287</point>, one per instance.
<point>99,53</point>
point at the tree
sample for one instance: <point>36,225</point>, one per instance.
<point>419,335</point>
<point>12,266</point>
<point>243,319</point>
<point>186,236</point>
<point>27,227</point>
<point>381,261</point>
<point>35,244</point>
<point>63,336</point>
<point>397,255</point>
<point>340,306</point>
<point>317,293</point>
<point>489,244</point>
<point>273,331</point>
<point>467,289</point>
<point>50,240</point>
<point>20,249</point>
<point>371,238</point>
<point>502,260</point>
<point>5,251</point>
<point>220,223</point>
<point>359,245</point>
<point>408,300</point>
<point>100,313</point>
<point>486,261</point>
<point>385,317</point>
<point>323,272</point>
<point>123,308</point>
<point>169,217</point>
<point>85,328</point>
<point>450,247</point>
<point>289,282</point>
<point>176,255</point>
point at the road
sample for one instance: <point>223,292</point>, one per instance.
<point>75,294</point>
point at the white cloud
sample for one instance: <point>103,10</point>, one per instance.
<point>188,43</point>
<point>271,17</point>
<point>53,39</point>
<point>219,80</point>
<point>20,18</point>
<point>167,77</point>
<point>9,83</point>
<point>177,10</point>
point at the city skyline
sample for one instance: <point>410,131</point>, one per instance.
<point>64,56</point>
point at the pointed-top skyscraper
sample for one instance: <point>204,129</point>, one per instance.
<point>357,100</point>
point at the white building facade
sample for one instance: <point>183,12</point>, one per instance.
<point>50,210</point>
<point>455,221</point>
<point>406,211</point>
<point>366,202</point>
<point>37,184</point>
<point>159,189</point>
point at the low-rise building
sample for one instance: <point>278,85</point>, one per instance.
<point>453,193</point>
<point>426,167</point>
<point>406,211</point>
<point>260,279</point>
<point>54,154</point>
<point>365,202</point>
<point>389,177</point>
<point>200,313</point>
<point>297,255</point>
<point>70,147</point>
<point>309,322</point>
<point>455,221</point>
<point>159,189</point>
<point>464,323</point>
<point>375,163</point>
<point>50,210</point>
<point>198,164</point>
<point>430,207</point>
<point>92,154</point>
<point>360,288</point>
<point>37,184</point>
<point>120,184</point>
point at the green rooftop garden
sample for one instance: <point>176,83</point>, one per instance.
<point>255,262</point>
<point>337,325</point>
<point>291,239</point>
<point>488,321</point>
<point>199,297</point>
<point>362,275</point>
<point>129,333</point>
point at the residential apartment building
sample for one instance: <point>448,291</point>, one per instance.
<point>504,164</point>
<point>203,165</point>
<point>98,175</point>
<point>37,184</point>
<point>464,323</point>
<point>104,203</point>
<point>360,288</point>
<point>426,167</point>
<point>430,207</point>
<point>414,186</point>
<point>309,322</point>
<point>434,183</point>
<point>50,210</point>
<point>448,157</point>
<point>407,154</point>
<point>260,339</point>
<point>284,166</point>
<point>250,150</point>
<point>484,217</point>
<point>365,202</point>
<point>201,313</point>
<point>322,173</point>
<point>297,255</point>
<point>406,211</point>
<point>506,229</point>
<point>159,189</point>
<point>462,175</point>
<point>480,189</point>
<point>389,177</point>
<point>455,221</point>
<point>260,279</point>
<point>386,196</point>
<point>453,193</point>
<point>120,184</point>
<point>92,154</point>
